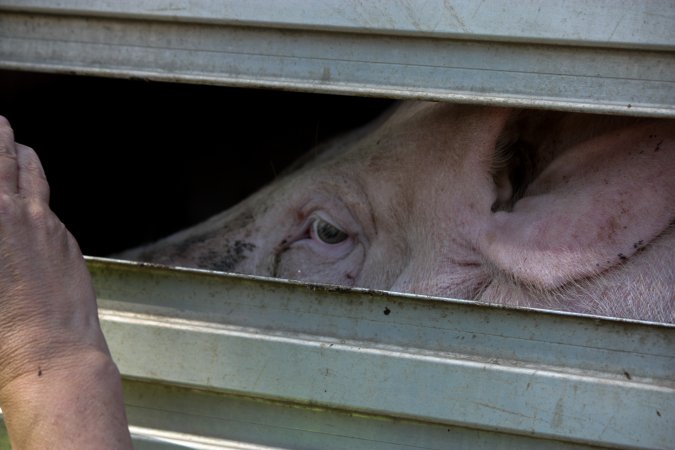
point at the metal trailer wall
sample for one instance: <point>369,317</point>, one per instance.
<point>613,56</point>
<point>218,361</point>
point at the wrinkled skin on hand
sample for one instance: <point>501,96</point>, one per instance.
<point>47,302</point>
<point>540,209</point>
<point>59,387</point>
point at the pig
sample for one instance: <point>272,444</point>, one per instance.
<point>525,208</point>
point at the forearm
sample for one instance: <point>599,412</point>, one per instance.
<point>77,405</point>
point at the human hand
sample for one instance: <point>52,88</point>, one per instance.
<point>53,356</point>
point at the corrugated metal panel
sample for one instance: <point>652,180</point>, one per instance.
<point>234,362</point>
<point>602,56</point>
<point>603,23</point>
<point>224,359</point>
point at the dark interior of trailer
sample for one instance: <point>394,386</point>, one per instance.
<point>131,160</point>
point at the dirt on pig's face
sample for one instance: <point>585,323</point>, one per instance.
<point>530,208</point>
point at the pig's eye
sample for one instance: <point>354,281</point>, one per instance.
<point>327,233</point>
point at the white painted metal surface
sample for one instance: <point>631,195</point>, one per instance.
<point>287,365</point>
<point>214,361</point>
<point>603,23</point>
<point>602,56</point>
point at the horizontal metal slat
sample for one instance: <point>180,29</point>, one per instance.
<point>309,49</point>
<point>603,23</point>
<point>582,381</point>
<point>241,422</point>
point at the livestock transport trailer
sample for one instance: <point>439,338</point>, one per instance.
<point>218,361</point>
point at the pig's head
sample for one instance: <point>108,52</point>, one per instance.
<point>531,208</point>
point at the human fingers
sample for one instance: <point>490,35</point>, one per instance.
<point>8,163</point>
<point>32,182</point>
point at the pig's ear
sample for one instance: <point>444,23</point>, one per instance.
<point>564,212</point>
